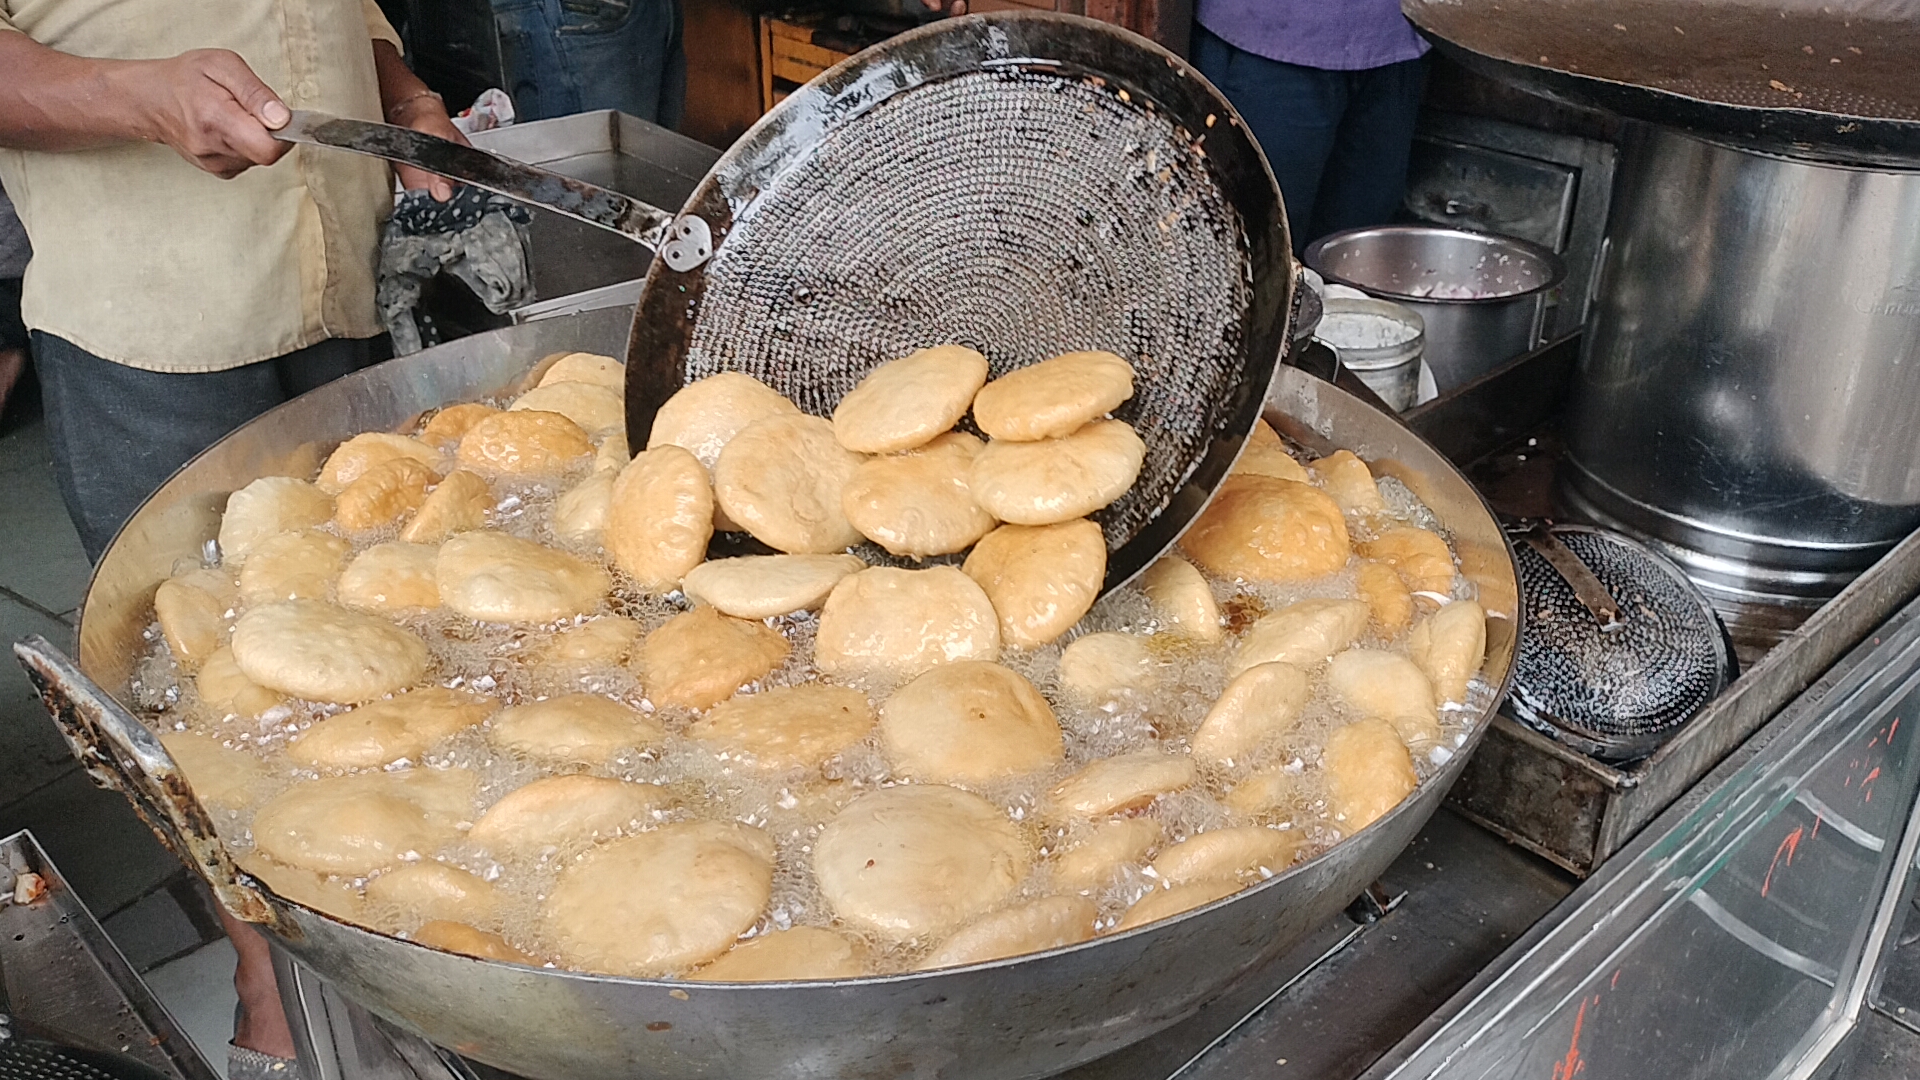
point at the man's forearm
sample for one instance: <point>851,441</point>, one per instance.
<point>400,88</point>
<point>407,101</point>
<point>52,101</point>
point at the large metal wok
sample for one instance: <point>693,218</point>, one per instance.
<point>1026,1017</point>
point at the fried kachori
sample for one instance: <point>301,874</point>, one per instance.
<point>1259,528</point>
<point>700,657</point>
<point>780,478</point>
<point>913,861</point>
<point>1053,398</point>
<point>918,503</point>
<point>314,650</point>
<point>898,623</point>
<point>493,577</point>
<point>763,586</point>
<point>574,729</point>
<point>905,403</point>
<point>1058,479</point>
<point>1039,579</point>
<point>969,722</point>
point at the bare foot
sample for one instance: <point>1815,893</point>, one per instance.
<point>262,1024</point>
<point>13,362</point>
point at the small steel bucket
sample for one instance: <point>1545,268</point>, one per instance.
<point>1389,363</point>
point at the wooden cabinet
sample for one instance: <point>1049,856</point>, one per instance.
<point>723,71</point>
<point>742,58</point>
<point>789,57</point>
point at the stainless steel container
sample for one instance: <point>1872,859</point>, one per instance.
<point>1389,367</point>
<point>1479,294</point>
<point>1749,389</point>
<point>613,150</point>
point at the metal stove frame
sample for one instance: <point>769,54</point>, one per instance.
<point>1441,944</point>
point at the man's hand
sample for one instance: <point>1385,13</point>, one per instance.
<point>408,103</point>
<point>209,106</point>
<point>426,114</point>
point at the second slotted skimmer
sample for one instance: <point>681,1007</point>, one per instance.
<point>1615,660</point>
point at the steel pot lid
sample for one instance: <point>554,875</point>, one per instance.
<point>1827,81</point>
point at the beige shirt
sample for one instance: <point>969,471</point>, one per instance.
<point>141,258</point>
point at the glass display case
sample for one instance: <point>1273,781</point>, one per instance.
<point>1748,932</point>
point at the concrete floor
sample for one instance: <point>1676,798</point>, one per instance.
<point>146,900</point>
<point>197,990</point>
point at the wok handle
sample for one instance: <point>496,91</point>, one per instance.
<point>683,242</point>
<point>121,754</point>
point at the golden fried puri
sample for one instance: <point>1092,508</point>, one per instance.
<point>1259,528</point>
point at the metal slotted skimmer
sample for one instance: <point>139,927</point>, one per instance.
<point>1620,649</point>
<point>982,209</point>
<point>1025,184</point>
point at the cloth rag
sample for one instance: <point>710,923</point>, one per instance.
<point>478,237</point>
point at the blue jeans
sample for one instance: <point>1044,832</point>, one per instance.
<point>1338,141</point>
<point>118,432</point>
<point>570,56</point>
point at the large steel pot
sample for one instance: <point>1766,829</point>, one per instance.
<point>1749,387</point>
<point>1026,1017</point>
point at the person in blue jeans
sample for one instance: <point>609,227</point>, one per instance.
<point>1330,90</point>
<point>569,56</point>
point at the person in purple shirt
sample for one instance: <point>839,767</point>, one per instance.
<point>1331,89</point>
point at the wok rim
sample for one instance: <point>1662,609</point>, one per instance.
<point>1555,265</point>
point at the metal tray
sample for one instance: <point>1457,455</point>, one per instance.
<point>1543,795</point>
<point>615,151</point>
<point>59,972</point>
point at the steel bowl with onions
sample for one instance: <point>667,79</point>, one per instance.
<point>1479,294</point>
<point>1028,1016</point>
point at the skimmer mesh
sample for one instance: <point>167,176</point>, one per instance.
<point>1623,688</point>
<point>1023,214</point>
